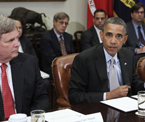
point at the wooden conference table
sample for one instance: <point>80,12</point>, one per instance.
<point>95,107</point>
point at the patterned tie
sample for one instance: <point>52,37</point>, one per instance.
<point>62,46</point>
<point>6,93</point>
<point>113,77</point>
<point>141,36</point>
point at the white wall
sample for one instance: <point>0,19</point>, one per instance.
<point>76,9</point>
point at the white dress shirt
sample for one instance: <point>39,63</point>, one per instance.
<point>98,33</point>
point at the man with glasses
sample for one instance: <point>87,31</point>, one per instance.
<point>136,32</point>
<point>91,36</point>
<point>56,42</point>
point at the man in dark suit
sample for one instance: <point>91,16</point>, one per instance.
<point>21,86</point>
<point>134,42</point>
<point>91,74</point>
<point>91,36</point>
<point>50,43</point>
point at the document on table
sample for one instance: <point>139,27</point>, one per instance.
<point>125,104</point>
<point>68,115</point>
<point>134,96</point>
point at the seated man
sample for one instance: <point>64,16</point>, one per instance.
<point>21,86</point>
<point>105,71</point>
<point>136,32</point>
<point>56,42</point>
<point>91,36</point>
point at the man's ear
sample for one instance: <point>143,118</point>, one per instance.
<point>125,39</point>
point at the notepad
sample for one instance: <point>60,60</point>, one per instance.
<point>125,104</point>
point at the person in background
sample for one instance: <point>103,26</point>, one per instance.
<point>136,32</point>
<point>105,71</point>
<point>21,86</point>
<point>91,36</point>
<point>56,42</point>
<point>25,44</point>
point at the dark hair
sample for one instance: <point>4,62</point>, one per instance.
<point>136,7</point>
<point>115,20</point>
<point>99,10</point>
<point>22,21</point>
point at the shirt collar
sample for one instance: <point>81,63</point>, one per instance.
<point>97,29</point>
<point>58,35</point>
<point>135,25</point>
<point>8,64</point>
<point>108,56</point>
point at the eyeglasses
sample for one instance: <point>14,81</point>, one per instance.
<point>137,12</point>
<point>61,23</point>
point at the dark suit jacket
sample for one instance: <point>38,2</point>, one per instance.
<point>27,46</point>
<point>89,79</point>
<point>50,49</point>
<point>132,41</point>
<point>89,38</point>
<point>29,90</point>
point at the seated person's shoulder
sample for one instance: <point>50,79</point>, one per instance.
<point>127,51</point>
<point>25,57</point>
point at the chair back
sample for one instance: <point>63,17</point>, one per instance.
<point>61,74</point>
<point>140,69</point>
<point>77,36</point>
<point>36,42</point>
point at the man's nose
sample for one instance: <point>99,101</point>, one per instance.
<point>113,40</point>
<point>17,43</point>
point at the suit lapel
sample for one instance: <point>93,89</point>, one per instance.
<point>95,35</point>
<point>143,25</point>
<point>55,40</point>
<point>133,34</point>
<point>123,64</point>
<point>101,66</point>
<point>23,44</point>
<point>66,41</point>
<point>1,107</point>
<point>18,82</point>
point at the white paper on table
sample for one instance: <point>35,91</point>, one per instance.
<point>65,115</point>
<point>125,104</point>
<point>134,96</point>
<point>68,115</point>
<point>95,117</point>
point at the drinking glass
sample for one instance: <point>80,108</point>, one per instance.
<point>141,103</point>
<point>37,116</point>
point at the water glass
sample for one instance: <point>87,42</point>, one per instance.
<point>141,103</point>
<point>38,116</point>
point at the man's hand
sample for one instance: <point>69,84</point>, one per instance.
<point>140,50</point>
<point>121,91</point>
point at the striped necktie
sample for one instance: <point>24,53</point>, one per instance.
<point>62,46</point>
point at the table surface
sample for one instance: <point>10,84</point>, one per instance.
<point>120,116</point>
